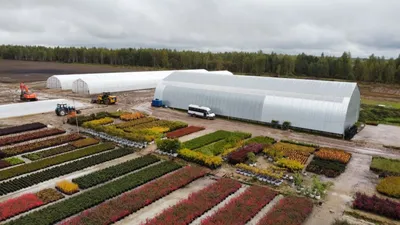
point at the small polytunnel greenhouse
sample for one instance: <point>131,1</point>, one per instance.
<point>326,106</point>
<point>114,82</point>
<point>138,81</point>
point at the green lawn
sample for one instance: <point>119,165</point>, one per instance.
<point>391,104</point>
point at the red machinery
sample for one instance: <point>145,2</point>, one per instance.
<point>26,95</point>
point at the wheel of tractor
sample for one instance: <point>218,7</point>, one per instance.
<point>62,113</point>
<point>107,101</point>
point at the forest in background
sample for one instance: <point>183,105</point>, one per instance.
<point>371,69</point>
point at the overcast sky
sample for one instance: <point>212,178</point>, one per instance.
<point>362,27</point>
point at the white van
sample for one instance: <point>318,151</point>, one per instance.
<point>201,111</point>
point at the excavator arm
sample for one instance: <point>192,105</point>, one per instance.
<point>25,94</point>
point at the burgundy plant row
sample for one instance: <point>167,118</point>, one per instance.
<point>21,128</point>
<point>243,208</point>
<point>184,131</point>
<point>111,211</point>
<point>30,136</point>
<point>379,206</point>
<point>196,204</point>
<point>240,155</point>
<point>288,211</point>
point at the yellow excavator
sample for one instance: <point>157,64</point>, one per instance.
<point>105,98</point>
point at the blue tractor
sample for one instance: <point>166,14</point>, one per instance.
<point>64,109</point>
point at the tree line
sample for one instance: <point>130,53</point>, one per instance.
<point>371,69</point>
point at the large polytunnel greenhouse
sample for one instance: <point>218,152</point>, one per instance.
<point>65,82</point>
<point>326,106</point>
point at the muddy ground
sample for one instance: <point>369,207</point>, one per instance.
<point>14,71</point>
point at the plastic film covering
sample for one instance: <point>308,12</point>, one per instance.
<point>317,105</point>
<point>29,108</point>
<point>65,82</point>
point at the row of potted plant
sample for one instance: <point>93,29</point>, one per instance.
<point>288,211</point>
<point>206,139</point>
<point>183,131</point>
<point>112,172</point>
<point>44,175</point>
<point>85,142</point>
<point>196,204</point>
<point>21,128</point>
<point>131,116</point>
<point>243,208</point>
<point>49,152</point>
<point>85,200</point>
<point>29,136</point>
<point>326,167</point>
<point>379,206</point>
<point>333,154</point>
<point>199,158</point>
<point>39,145</point>
<point>26,202</point>
<point>116,209</point>
<point>44,163</point>
<point>241,154</point>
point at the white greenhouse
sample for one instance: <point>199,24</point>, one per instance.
<point>65,81</point>
<point>325,106</point>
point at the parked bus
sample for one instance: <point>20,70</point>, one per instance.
<point>200,111</point>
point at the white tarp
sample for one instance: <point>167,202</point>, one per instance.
<point>30,108</point>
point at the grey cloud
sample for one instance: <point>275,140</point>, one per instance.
<point>285,26</point>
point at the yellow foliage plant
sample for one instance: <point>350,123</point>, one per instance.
<point>290,164</point>
<point>67,187</point>
<point>200,158</point>
<point>259,171</point>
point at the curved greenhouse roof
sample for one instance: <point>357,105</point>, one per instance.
<point>325,106</point>
<point>65,82</point>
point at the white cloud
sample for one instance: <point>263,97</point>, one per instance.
<point>285,26</point>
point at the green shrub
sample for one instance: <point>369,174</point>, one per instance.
<point>286,125</point>
<point>219,147</point>
<point>261,140</point>
<point>389,186</point>
<point>385,166</point>
<point>168,145</point>
<point>206,139</point>
<point>71,206</point>
<point>300,143</point>
<point>50,152</point>
<point>14,161</point>
<point>112,172</point>
<point>57,171</point>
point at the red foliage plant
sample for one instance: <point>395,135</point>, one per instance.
<point>241,209</point>
<point>240,155</point>
<point>4,164</point>
<point>289,211</point>
<point>21,128</point>
<point>19,205</point>
<point>379,206</point>
<point>196,204</point>
<point>111,211</point>
<point>184,131</point>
